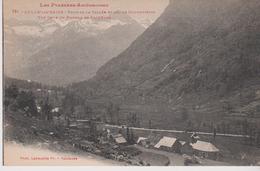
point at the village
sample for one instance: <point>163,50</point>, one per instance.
<point>124,145</point>
<point>60,124</point>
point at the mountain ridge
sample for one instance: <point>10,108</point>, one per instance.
<point>197,53</point>
<point>81,46</point>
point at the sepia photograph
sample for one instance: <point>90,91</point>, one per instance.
<point>131,83</point>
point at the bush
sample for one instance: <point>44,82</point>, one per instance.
<point>26,102</point>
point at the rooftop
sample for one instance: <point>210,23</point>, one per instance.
<point>166,141</point>
<point>120,140</point>
<point>140,139</point>
<point>204,146</point>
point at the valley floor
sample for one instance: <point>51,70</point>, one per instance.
<point>46,145</point>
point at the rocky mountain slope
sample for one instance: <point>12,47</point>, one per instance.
<point>201,56</point>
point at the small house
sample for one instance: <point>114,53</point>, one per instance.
<point>119,139</point>
<point>169,144</point>
<point>205,149</point>
<point>201,149</point>
<point>182,142</point>
<point>141,141</point>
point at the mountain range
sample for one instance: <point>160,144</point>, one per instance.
<point>59,52</point>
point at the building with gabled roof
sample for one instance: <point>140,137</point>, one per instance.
<point>169,144</point>
<point>119,139</point>
<point>142,141</point>
<point>204,146</point>
<point>201,149</point>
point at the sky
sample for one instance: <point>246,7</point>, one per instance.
<point>152,5</point>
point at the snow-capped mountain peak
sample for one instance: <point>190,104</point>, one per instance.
<point>41,28</point>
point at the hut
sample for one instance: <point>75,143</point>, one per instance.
<point>201,149</point>
<point>205,149</point>
<point>170,144</point>
<point>182,142</point>
<point>141,141</point>
<point>119,139</point>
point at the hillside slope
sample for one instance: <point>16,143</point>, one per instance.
<point>200,55</point>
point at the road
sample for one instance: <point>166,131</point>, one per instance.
<point>176,131</point>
